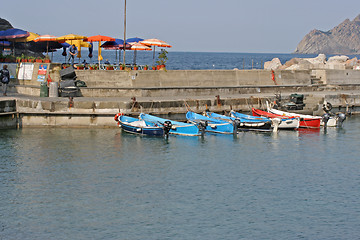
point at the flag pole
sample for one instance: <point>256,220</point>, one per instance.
<point>124,32</point>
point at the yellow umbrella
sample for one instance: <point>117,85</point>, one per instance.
<point>30,38</point>
<point>73,39</point>
<point>79,44</point>
<point>70,37</point>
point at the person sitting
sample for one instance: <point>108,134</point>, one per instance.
<point>107,62</point>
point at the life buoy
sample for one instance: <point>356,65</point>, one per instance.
<point>327,107</point>
<point>116,118</point>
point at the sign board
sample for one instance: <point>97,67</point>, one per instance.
<point>42,69</point>
<point>25,71</point>
<point>41,78</point>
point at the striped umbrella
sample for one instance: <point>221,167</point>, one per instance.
<point>47,39</point>
<point>156,43</point>
<point>138,46</point>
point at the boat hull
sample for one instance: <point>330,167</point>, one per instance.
<point>285,124</point>
<point>178,128</point>
<point>136,126</point>
<point>306,121</point>
<point>213,125</point>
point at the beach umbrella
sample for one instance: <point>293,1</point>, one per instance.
<point>79,44</point>
<point>70,37</point>
<point>29,38</point>
<point>73,39</point>
<point>47,39</point>
<point>12,34</point>
<point>99,39</point>
<point>139,46</point>
<point>156,43</point>
<point>132,41</point>
<point>118,44</point>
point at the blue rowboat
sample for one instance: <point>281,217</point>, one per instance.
<point>212,125</point>
<point>138,126</point>
<point>244,124</point>
<point>178,128</point>
<point>248,122</point>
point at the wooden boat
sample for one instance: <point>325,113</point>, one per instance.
<point>177,128</point>
<point>248,123</point>
<point>306,121</point>
<point>211,124</point>
<point>287,123</point>
<point>142,127</point>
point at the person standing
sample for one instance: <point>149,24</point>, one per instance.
<point>5,78</point>
<point>72,53</point>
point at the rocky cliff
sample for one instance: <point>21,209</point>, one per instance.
<point>4,24</point>
<point>342,39</point>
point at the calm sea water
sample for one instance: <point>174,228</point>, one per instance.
<point>188,60</point>
<point>105,184</point>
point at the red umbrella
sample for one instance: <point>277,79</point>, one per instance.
<point>99,38</point>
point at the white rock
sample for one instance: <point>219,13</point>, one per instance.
<point>273,64</point>
<point>320,59</point>
<point>340,59</point>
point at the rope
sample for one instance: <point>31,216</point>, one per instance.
<point>187,106</point>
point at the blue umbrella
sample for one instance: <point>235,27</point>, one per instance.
<point>115,45</point>
<point>13,33</point>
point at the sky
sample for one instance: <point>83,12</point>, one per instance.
<point>251,26</point>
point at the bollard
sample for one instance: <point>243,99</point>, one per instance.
<point>54,89</point>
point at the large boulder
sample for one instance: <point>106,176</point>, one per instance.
<point>273,64</point>
<point>339,59</point>
<point>352,63</point>
<point>320,59</point>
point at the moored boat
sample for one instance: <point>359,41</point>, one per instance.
<point>177,128</point>
<point>248,123</point>
<point>306,121</point>
<point>142,127</point>
<point>287,123</point>
<point>211,124</point>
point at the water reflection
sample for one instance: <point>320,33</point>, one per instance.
<point>81,183</point>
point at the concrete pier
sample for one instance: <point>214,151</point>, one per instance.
<point>172,93</point>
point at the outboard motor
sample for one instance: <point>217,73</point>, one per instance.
<point>167,128</point>
<point>275,122</point>
<point>325,119</point>
<point>340,119</point>
<point>236,124</point>
<point>202,126</point>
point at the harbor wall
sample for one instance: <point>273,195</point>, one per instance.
<point>190,78</point>
<point>8,114</point>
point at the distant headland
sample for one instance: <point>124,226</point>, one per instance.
<point>342,39</point>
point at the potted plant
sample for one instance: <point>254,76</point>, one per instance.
<point>162,58</point>
<point>47,59</point>
<point>135,67</point>
<point>146,67</point>
<point>80,67</point>
<point>153,67</point>
<point>122,67</point>
<point>93,67</point>
<point>38,60</point>
<point>109,67</point>
<point>30,59</point>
